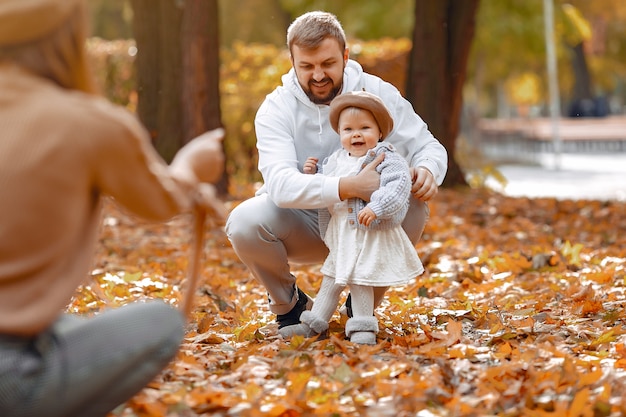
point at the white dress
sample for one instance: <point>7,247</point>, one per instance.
<point>377,258</point>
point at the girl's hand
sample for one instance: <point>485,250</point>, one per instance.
<point>366,216</point>
<point>310,165</point>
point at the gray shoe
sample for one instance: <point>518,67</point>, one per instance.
<point>362,330</point>
<point>299,329</point>
<point>363,338</point>
<point>309,326</point>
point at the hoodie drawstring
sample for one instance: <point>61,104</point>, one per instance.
<point>319,122</point>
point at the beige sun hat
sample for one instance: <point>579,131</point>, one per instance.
<point>361,100</point>
<point>23,21</point>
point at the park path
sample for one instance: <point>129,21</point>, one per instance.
<point>592,164</point>
<point>568,176</point>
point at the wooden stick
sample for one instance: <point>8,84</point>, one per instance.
<point>195,261</point>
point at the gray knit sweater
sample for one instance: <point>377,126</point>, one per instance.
<point>390,202</point>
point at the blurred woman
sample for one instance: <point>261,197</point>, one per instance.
<point>62,148</point>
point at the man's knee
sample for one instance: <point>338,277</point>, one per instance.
<point>242,220</point>
<point>237,223</point>
<point>252,220</point>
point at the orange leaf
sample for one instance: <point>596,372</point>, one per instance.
<point>580,406</point>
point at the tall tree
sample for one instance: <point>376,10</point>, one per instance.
<point>177,71</point>
<point>157,28</point>
<point>442,37</point>
<point>200,68</point>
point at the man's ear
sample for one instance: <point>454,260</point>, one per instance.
<point>346,55</point>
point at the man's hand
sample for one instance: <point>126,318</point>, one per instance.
<point>363,184</point>
<point>424,185</point>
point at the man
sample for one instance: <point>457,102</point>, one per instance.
<point>279,224</point>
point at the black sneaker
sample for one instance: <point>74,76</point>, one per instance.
<point>293,317</point>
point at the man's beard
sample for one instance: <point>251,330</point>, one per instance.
<point>325,99</point>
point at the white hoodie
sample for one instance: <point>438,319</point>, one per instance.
<point>290,128</point>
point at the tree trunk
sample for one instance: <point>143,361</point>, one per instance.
<point>157,28</point>
<point>201,64</point>
<point>442,37</point>
<point>582,77</point>
<point>200,55</point>
<point>147,62</point>
<point>177,71</point>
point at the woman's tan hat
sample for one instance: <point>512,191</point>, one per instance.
<point>23,21</point>
<point>362,100</point>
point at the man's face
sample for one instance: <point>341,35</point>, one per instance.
<point>320,70</point>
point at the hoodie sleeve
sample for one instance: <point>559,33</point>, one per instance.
<point>286,185</point>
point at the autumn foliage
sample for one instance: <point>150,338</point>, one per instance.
<point>519,313</point>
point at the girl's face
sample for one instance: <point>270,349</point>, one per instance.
<point>358,131</point>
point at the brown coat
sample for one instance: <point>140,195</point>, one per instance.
<point>60,152</point>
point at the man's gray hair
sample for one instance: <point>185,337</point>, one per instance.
<point>310,29</point>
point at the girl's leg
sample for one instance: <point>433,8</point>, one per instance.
<point>362,300</point>
<point>379,294</point>
<point>90,366</point>
<point>327,299</point>
<point>363,326</point>
<point>316,320</point>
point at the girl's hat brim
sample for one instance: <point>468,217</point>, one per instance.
<point>362,100</point>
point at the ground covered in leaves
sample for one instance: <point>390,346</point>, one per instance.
<point>520,313</point>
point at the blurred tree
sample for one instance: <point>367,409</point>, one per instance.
<point>606,49</point>
<point>442,37</point>
<point>200,58</point>
<point>177,71</point>
<point>201,72</point>
<point>157,30</point>
<point>576,30</point>
<point>253,21</point>
<point>509,42</point>
<point>360,19</point>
